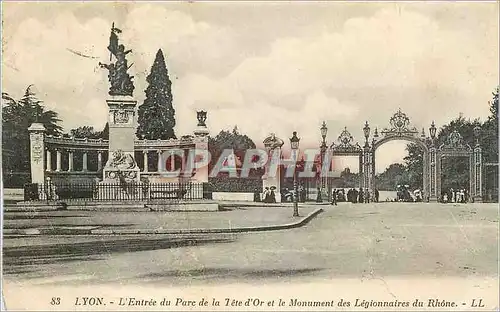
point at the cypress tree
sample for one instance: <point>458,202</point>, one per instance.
<point>156,115</point>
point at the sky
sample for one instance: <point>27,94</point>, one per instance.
<point>271,67</point>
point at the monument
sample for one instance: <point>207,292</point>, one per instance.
<point>122,115</point>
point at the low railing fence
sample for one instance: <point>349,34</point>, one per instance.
<point>116,192</point>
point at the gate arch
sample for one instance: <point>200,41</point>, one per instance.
<point>400,129</point>
<point>345,147</point>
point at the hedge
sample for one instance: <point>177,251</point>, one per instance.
<point>235,185</point>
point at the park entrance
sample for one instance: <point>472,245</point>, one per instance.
<point>400,128</point>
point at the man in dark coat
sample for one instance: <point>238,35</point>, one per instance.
<point>334,197</point>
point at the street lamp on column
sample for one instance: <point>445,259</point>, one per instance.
<point>323,147</point>
<point>294,144</point>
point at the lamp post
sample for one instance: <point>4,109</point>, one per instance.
<point>294,143</point>
<point>323,147</point>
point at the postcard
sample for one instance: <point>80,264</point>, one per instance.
<point>250,156</point>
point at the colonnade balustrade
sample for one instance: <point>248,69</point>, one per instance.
<point>72,155</point>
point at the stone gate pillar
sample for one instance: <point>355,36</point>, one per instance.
<point>367,169</point>
<point>37,151</point>
<point>271,177</point>
<point>477,174</point>
<point>433,173</point>
<point>201,144</point>
<point>425,176</point>
<point>361,170</point>
<point>371,187</point>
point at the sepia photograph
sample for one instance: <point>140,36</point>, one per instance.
<point>250,156</point>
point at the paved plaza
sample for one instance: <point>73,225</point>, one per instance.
<point>345,241</point>
<point>116,220</point>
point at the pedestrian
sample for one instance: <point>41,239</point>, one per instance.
<point>302,194</point>
<point>376,195</point>
<point>272,195</point>
<point>334,197</point>
<point>256,195</point>
<point>266,195</point>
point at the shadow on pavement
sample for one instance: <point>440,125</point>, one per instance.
<point>231,273</point>
<point>94,250</point>
<point>30,226</point>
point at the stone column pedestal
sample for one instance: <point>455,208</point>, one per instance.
<point>272,178</point>
<point>122,119</point>
<point>37,151</point>
<point>201,146</point>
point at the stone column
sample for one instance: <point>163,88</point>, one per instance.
<point>99,160</point>
<point>84,157</point>
<point>49,161</point>
<point>425,176</point>
<point>271,177</point>
<point>172,161</point>
<point>201,144</point>
<point>361,170</point>
<point>433,188</point>
<point>478,175</point>
<point>37,148</point>
<point>371,187</point>
<point>437,175</point>
<point>70,160</point>
<point>58,160</point>
<point>145,156</point>
<point>158,165</point>
<point>366,168</point>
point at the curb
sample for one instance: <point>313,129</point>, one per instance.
<point>62,231</point>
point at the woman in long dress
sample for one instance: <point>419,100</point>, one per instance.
<point>266,195</point>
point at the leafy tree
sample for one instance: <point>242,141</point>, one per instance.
<point>414,165</point>
<point>89,132</point>
<point>234,140</point>
<point>17,116</point>
<point>395,174</point>
<point>347,179</point>
<point>84,132</point>
<point>105,132</point>
<point>489,145</point>
<point>156,115</point>
<point>489,133</point>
